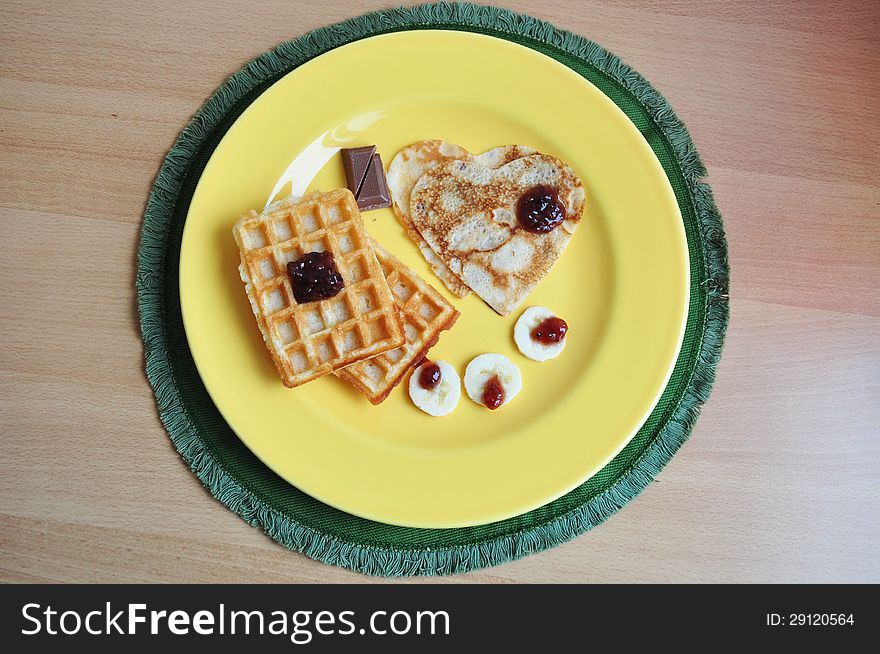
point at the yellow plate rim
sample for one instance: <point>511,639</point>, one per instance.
<point>500,508</point>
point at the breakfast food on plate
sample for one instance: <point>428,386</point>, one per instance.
<point>415,160</point>
<point>315,286</point>
<point>424,312</point>
<point>499,230</point>
<point>365,177</point>
<point>435,388</point>
<point>404,171</point>
<point>328,299</point>
<point>356,161</point>
<point>492,380</point>
<point>540,334</point>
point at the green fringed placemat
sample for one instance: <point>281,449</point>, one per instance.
<point>297,521</point>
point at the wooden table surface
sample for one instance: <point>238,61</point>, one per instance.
<point>779,481</point>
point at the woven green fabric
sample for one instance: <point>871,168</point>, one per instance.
<point>239,480</point>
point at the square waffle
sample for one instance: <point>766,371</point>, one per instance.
<point>312,339</point>
<point>425,314</point>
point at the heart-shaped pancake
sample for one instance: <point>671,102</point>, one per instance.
<point>500,230</point>
<point>411,163</point>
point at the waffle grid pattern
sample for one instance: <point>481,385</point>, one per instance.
<point>313,339</point>
<point>424,312</point>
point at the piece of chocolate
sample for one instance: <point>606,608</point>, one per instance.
<point>374,190</point>
<point>356,161</point>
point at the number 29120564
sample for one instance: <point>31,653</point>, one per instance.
<point>810,619</point>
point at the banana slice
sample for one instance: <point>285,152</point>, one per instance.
<point>528,345</point>
<point>443,397</point>
<point>492,380</point>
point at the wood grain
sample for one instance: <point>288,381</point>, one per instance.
<point>780,479</point>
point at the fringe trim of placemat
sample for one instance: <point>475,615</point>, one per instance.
<point>447,560</point>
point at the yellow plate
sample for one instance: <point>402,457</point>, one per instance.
<point>621,284</point>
